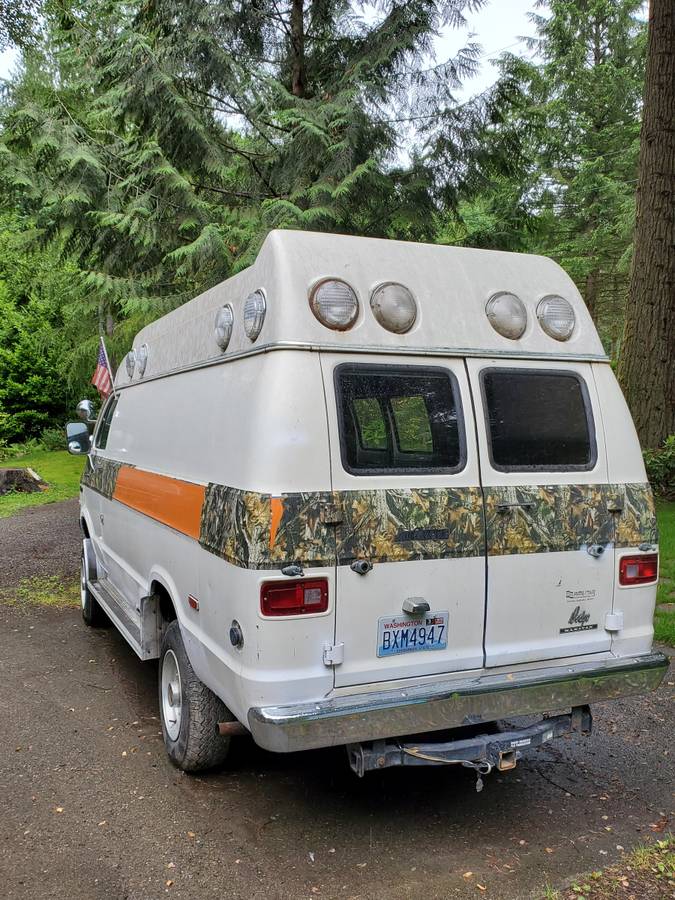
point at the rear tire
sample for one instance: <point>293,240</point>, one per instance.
<point>92,613</point>
<point>189,711</point>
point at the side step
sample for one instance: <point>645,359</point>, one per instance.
<point>119,615</point>
<point>481,753</point>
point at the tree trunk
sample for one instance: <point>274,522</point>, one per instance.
<point>298,47</point>
<point>647,362</point>
<point>591,294</point>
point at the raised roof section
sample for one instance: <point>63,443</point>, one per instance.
<point>450,284</point>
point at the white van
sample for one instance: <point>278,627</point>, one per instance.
<point>366,491</point>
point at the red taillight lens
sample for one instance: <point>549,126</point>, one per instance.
<point>639,569</point>
<point>297,598</point>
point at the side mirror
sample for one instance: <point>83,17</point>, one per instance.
<point>86,411</point>
<point>77,436</point>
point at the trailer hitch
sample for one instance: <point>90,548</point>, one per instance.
<point>500,750</point>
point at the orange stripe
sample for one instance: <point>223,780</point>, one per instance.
<point>277,507</point>
<point>175,503</point>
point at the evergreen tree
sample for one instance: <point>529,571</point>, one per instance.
<point>160,141</point>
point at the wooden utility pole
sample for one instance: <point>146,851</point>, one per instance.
<point>647,361</point>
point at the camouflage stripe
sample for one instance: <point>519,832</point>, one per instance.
<point>237,525</point>
<point>637,522</point>
<point>425,523</point>
<point>259,531</point>
<point>567,517</point>
<point>101,475</point>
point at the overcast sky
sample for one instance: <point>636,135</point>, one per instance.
<point>497,26</point>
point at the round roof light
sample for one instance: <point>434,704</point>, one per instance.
<point>556,317</point>
<point>223,326</point>
<point>255,308</point>
<point>394,307</point>
<point>142,359</point>
<point>507,315</point>
<point>131,363</point>
<point>334,303</point>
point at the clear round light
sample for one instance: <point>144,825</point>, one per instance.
<point>394,307</point>
<point>131,363</point>
<point>255,308</point>
<point>335,304</point>
<point>507,315</point>
<point>142,359</point>
<point>223,326</point>
<point>556,317</point>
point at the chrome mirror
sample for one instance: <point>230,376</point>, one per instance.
<point>86,411</point>
<point>77,437</point>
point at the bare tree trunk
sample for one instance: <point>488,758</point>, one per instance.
<point>298,48</point>
<point>647,362</point>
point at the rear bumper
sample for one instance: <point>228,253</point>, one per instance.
<point>462,700</point>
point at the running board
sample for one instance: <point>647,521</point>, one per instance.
<point>119,616</point>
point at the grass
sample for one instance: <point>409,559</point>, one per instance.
<point>51,590</point>
<point>59,469</point>
<point>646,873</point>
<point>664,618</point>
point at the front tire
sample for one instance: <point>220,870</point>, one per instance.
<point>92,613</point>
<point>189,711</point>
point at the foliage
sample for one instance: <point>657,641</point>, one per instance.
<point>39,333</point>
<point>554,159</point>
<point>660,465</point>
<point>60,470</point>
<point>160,141</point>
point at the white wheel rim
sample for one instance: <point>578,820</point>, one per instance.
<point>171,695</point>
<point>83,582</point>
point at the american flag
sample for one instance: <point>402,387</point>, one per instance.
<point>102,379</point>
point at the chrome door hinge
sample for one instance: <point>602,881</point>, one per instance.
<point>614,621</point>
<point>333,654</point>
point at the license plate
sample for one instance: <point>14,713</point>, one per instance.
<point>404,634</point>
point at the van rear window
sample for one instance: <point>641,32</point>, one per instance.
<point>538,419</point>
<point>396,419</point>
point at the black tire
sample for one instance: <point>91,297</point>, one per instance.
<point>192,739</point>
<point>92,613</point>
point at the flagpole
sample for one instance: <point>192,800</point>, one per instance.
<point>105,353</point>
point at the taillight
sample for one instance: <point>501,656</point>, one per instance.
<point>639,569</point>
<point>295,598</point>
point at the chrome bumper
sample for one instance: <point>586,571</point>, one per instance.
<point>462,700</point>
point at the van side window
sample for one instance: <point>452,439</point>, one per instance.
<point>397,419</point>
<point>538,419</point>
<point>104,428</point>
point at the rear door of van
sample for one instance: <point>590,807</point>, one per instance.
<point>406,482</point>
<point>549,517</point>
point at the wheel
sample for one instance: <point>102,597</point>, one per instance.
<point>92,613</point>
<point>189,711</point>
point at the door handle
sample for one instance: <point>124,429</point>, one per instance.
<point>415,606</point>
<point>509,507</point>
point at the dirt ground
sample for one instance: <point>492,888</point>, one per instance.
<point>91,807</point>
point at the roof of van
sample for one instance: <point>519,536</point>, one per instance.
<point>451,286</point>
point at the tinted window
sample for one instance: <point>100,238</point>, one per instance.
<point>104,427</point>
<point>398,418</point>
<point>538,420</point>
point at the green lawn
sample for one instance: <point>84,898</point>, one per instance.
<point>664,619</point>
<point>58,468</point>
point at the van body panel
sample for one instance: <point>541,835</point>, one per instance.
<point>543,603</point>
<point>424,535</point>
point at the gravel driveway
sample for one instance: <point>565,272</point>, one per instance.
<point>93,809</point>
